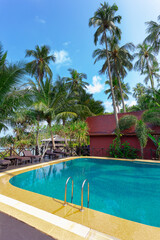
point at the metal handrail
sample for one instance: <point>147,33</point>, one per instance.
<point>65,196</point>
<point>82,194</point>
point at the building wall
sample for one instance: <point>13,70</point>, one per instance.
<point>99,145</point>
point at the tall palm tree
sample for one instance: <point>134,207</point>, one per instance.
<point>117,91</point>
<point>75,82</point>
<point>49,102</point>
<point>120,61</point>
<point>10,76</point>
<point>104,19</point>
<point>138,91</point>
<point>154,72</point>
<point>145,60</point>
<point>39,67</point>
<point>153,38</point>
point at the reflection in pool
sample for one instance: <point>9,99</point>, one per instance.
<point>124,189</point>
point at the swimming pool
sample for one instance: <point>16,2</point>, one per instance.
<point>129,190</point>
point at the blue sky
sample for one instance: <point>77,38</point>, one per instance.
<point>63,25</point>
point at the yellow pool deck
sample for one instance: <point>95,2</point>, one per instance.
<point>66,222</point>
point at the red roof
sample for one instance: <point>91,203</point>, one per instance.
<point>106,124</point>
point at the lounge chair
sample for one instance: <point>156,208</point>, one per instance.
<point>50,154</point>
<point>33,157</point>
<point>5,163</point>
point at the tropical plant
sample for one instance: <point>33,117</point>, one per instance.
<point>152,116</point>
<point>75,82</point>
<point>104,19</point>
<point>127,121</point>
<point>10,76</point>
<point>156,141</point>
<point>153,73</point>
<point>142,134</point>
<point>139,90</point>
<point>39,67</point>
<point>118,98</point>
<point>120,62</point>
<point>153,30</point>
<point>50,102</point>
<point>123,151</point>
<point>145,60</point>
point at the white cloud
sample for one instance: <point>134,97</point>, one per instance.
<point>108,106</point>
<point>96,86</point>
<point>40,20</point>
<point>62,57</point>
<point>66,43</point>
<point>131,103</point>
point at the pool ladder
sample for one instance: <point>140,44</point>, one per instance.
<point>65,195</point>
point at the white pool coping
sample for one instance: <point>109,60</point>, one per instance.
<point>60,222</point>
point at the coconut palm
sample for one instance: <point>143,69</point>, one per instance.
<point>104,19</point>
<point>125,88</point>
<point>75,82</point>
<point>120,61</point>
<point>39,67</point>
<point>145,60</point>
<point>153,38</point>
<point>10,76</point>
<point>49,101</point>
<point>154,72</point>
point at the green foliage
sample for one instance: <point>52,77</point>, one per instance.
<point>152,116</point>
<point>127,121</point>
<point>156,141</point>
<point>142,134</point>
<point>76,130</point>
<point>123,151</point>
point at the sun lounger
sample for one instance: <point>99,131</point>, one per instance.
<point>50,154</point>
<point>5,163</point>
<point>33,157</point>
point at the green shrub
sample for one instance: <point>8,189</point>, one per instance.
<point>124,151</point>
<point>152,116</point>
<point>127,121</point>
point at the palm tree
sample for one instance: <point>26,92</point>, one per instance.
<point>153,30</point>
<point>117,91</point>
<point>154,71</point>
<point>49,101</point>
<point>139,91</point>
<point>145,60</point>
<point>39,67</point>
<point>104,19</point>
<point>120,61</point>
<point>10,76</point>
<point>75,82</point>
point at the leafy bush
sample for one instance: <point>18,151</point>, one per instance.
<point>124,151</point>
<point>152,116</point>
<point>127,121</point>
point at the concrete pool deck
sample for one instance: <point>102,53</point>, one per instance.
<point>51,217</point>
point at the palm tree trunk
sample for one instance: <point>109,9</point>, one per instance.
<point>121,91</point>
<point>37,137</point>
<point>65,138</point>
<point>142,152</point>
<point>150,75</point>
<point>111,85</point>
<point>52,137</point>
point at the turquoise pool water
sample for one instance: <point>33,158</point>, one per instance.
<point>124,189</point>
